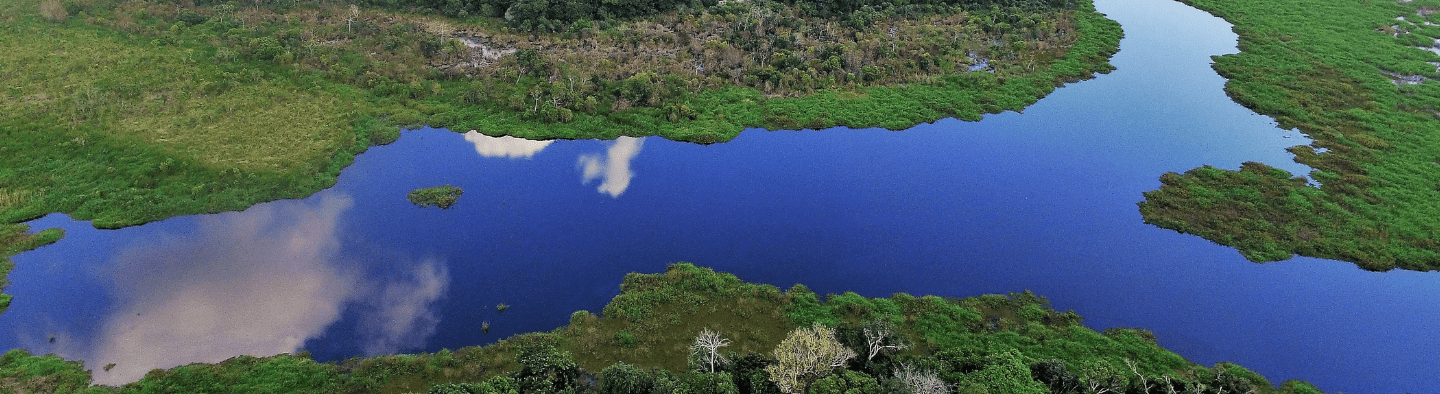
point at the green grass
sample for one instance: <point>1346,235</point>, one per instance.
<point>1322,66</point>
<point>990,342</point>
<point>438,196</point>
<point>14,239</point>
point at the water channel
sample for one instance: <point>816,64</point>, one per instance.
<point>1043,200</point>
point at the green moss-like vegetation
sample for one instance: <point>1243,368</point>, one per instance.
<point>993,343</point>
<point>439,196</point>
<point>1341,72</point>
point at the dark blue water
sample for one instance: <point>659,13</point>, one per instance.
<point>1043,201</point>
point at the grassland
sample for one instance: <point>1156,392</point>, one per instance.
<point>1346,74</point>
<point>993,343</point>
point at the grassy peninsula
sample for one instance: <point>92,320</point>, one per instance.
<point>646,341</point>
<point>124,112</point>
<point>1358,77</point>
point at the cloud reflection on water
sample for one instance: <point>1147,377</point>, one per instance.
<point>614,168</point>
<point>259,282</point>
<point>506,146</point>
<point>403,317</point>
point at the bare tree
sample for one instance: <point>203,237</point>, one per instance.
<point>350,18</point>
<point>921,382</point>
<point>707,348</point>
<point>875,337</point>
<point>1144,383</point>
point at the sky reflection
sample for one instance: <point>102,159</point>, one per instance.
<point>614,168</point>
<point>506,146</point>
<point>262,282</point>
<point>256,282</point>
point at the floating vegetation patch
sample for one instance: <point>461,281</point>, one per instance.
<point>439,196</point>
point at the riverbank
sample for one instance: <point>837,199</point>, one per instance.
<point>129,112</point>
<point>1014,344</point>
<point>1342,74</point>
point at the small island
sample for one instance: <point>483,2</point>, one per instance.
<point>439,196</point>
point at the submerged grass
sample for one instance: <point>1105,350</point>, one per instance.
<point>979,344</point>
<point>1343,73</point>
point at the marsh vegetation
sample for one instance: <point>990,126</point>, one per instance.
<point>1331,70</point>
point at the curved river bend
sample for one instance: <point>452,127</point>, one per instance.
<point>1043,200</point>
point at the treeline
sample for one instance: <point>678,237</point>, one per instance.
<point>560,15</point>
<point>692,330</point>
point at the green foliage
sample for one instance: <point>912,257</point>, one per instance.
<point>622,378</point>
<point>21,372</point>
<point>438,196</point>
<point>495,385</point>
<point>847,382</point>
<point>243,374</point>
<point>15,238</point>
<point>546,369</point>
<point>695,382</point>
<point>1004,372</point>
<point>1332,71</point>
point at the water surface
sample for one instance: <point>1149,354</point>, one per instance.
<point>1043,200</point>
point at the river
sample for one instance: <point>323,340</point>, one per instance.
<point>1043,200</point>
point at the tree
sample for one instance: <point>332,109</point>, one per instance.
<point>622,378</point>
<point>350,18</point>
<point>880,337</point>
<point>706,349</point>
<point>921,382</point>
<point>806,355</point>
<point>545,369</point>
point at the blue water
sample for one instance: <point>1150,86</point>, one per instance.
<point>1043,200</point>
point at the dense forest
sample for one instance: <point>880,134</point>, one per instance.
<point>692,330</point>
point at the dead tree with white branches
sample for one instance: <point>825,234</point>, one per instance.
<point>706,349</point>
<point>880,337</point>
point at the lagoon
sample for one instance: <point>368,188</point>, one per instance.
<point>1043,200</point>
